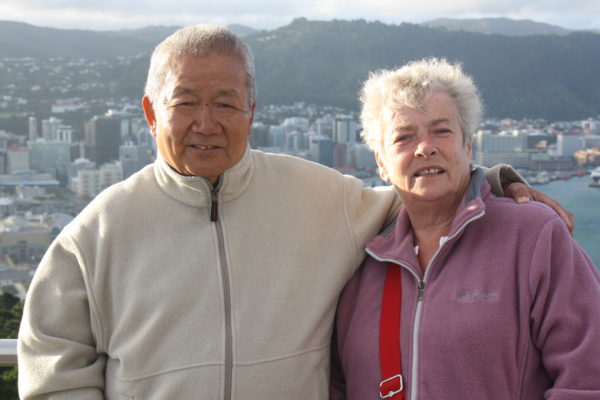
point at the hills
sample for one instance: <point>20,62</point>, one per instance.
<point>547,76</point>
<point>497,26</point>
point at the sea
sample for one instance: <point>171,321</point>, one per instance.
<point>584,202</point>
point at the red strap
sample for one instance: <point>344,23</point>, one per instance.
<point>392,385</point>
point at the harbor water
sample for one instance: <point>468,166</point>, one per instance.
<point>584,202</point>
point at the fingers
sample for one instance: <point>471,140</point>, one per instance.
<point>519,192</point>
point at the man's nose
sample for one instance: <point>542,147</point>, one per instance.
<point>205,121</point>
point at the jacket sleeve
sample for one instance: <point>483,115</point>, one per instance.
<point>500,175</point>
<point>57,349</point>
<point>564,287</point>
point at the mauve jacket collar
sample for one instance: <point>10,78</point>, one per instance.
<point>396,242</point>
<point>196,191</point>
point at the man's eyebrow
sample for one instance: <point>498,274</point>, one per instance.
<point>227,92</point>
<point>179,90</point>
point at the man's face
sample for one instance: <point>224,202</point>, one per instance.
<point>202,121</point>
<point>423,154</point>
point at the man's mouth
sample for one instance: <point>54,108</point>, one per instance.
<point>203,147</point>
<point>430,171</point>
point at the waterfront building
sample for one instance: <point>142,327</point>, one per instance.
<point>511,148</point>
<point>567,145</point>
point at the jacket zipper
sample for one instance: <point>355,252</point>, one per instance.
<point>214,217</point>
<point>420,292</point>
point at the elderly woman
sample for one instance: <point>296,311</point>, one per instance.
<point>467,295</point>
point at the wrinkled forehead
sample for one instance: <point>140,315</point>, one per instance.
<point>186,73</point>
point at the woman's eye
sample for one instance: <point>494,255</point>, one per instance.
<point>401,139</point>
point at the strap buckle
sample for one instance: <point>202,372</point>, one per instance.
<point>391,392</point>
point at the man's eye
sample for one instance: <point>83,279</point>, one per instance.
<point>223,105</point>
<point>442,131</point>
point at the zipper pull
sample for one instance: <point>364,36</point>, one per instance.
<point>214,207</point>
<point>214,201</point>
<point>421,289</point>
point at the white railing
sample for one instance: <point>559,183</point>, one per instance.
<point>8,352</point>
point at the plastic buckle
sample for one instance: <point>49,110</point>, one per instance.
<point>391,393</point>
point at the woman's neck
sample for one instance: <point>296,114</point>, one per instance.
<point>430,222</point>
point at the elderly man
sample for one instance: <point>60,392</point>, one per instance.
<point>213,273</point>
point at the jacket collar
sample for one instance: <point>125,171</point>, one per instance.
<point>396,242</point>
<point>196,191</point>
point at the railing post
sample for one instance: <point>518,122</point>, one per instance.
<point>8,352</point>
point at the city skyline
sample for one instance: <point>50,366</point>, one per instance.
<point>268,14</point>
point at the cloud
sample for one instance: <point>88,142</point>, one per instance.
<point>116,14</point>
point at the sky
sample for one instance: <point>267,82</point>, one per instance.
<point>270,14</point>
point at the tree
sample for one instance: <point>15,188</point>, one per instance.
<point>11,310</point>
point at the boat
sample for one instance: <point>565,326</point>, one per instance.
<point>596,174</point>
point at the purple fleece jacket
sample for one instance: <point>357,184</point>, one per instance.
<point>510,309</point>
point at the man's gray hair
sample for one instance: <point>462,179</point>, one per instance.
<point>198,41</point>
<point>387,90</point>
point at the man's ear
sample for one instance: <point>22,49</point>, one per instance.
<point>252,108</point>
<point>382,170</point>
<point>150,114</point>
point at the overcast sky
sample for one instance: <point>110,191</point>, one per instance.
<point>269,14</point>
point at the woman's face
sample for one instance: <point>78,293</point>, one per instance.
<point>423,153</point>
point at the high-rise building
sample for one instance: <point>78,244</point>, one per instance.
<point>103,138</point>
<point>345,129</point>
<point>50,128</point>
<point>321,150</point>
<point>50,156</point>
<point>33,128</point>
<point>277,136</point>
<point>17,158</point>
<point>134,157</point>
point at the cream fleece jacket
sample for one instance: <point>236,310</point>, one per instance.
<point>142,296</point>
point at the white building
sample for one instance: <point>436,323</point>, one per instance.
<point>568,145</point>
<point>510,147</point>
<point>90,182</point>
<point>344,129</point>
<point>17,159</point>
<point>50,156</point>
